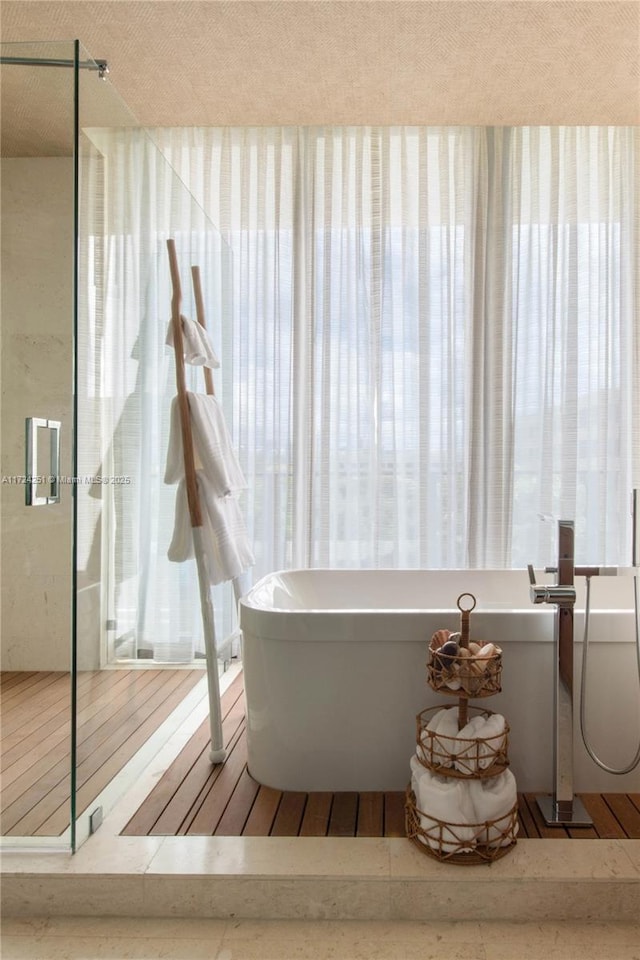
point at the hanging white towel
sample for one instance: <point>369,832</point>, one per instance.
<point>494,798</point>
<point>213,451</point>
<point>224,535</point>
<point>196,345</point>
<point>445,799</point>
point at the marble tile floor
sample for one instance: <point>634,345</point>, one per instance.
<point>84,938</point>
<point>312,878</point>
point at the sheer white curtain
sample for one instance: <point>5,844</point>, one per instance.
<point>431,341</point>
<point>435,338</point>
<point>574,286</point>
<point>152,605</point>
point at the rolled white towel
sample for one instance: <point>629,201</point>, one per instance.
<point>416,772</point>
<point>488,736</point>
<point>493,798</point>
<point>446,735</point>
<point>494,735</point>
<point>467,756</point>
<point>448,800</point>
<point>439,743</point>
<point>435,719</point>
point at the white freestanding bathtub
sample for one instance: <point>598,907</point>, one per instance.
<point>335,673</point>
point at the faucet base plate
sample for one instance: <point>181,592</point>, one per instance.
<point>576,816</point>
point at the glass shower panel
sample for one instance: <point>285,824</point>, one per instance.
<point>140,650</point>
<point>37,304</point>
<point>94,617</point>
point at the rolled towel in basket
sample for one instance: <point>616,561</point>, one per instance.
<point>493,734</point>
<point>446,735</point>
<point>435,720</point>
<point>441,745</point>
<point>468,752</point>
<point>493,799</point>
<point>484,738</point>
<point>444,799</point>
<point>416,772</point>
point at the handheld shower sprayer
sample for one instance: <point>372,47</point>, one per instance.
<point>635,562</point>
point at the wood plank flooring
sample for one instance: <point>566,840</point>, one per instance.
<point>117,711</point>
<point>194,798</point>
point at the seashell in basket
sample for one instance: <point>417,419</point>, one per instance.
<point>444,648</point>
<point>481,673</point>
<point>485,654</point>
<point>475,670</point>
<point>472,677</point>
<point>439,637</point>
<point>445,657</point>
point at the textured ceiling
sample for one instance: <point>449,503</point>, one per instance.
<point>342,62</point>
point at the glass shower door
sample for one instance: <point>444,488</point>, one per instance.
<point>139,645</point>
<point>37,308</point>
<point>95,620</point>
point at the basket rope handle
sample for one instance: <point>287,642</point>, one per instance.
<point>465,611</point>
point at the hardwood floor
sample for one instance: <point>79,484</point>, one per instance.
<point>117,711</point>
<point>194,798</point>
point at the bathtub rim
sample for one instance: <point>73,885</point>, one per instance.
<point>348,623</point>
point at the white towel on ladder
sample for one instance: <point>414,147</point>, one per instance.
<point>224,534</point>
<point>196,345</point>
<point>213,451</point>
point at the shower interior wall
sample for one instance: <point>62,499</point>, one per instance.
<point>37,252</point>
<point>37,371</point>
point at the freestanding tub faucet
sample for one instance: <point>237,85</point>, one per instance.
<point>562,809</point>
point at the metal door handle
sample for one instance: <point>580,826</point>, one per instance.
<point>33,476</point>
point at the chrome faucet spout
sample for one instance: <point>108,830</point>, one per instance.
<point>559,593</point>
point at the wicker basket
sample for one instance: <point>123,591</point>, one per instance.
<point>473,758</point>
<point>463,675</point>
<point>460,843</point>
